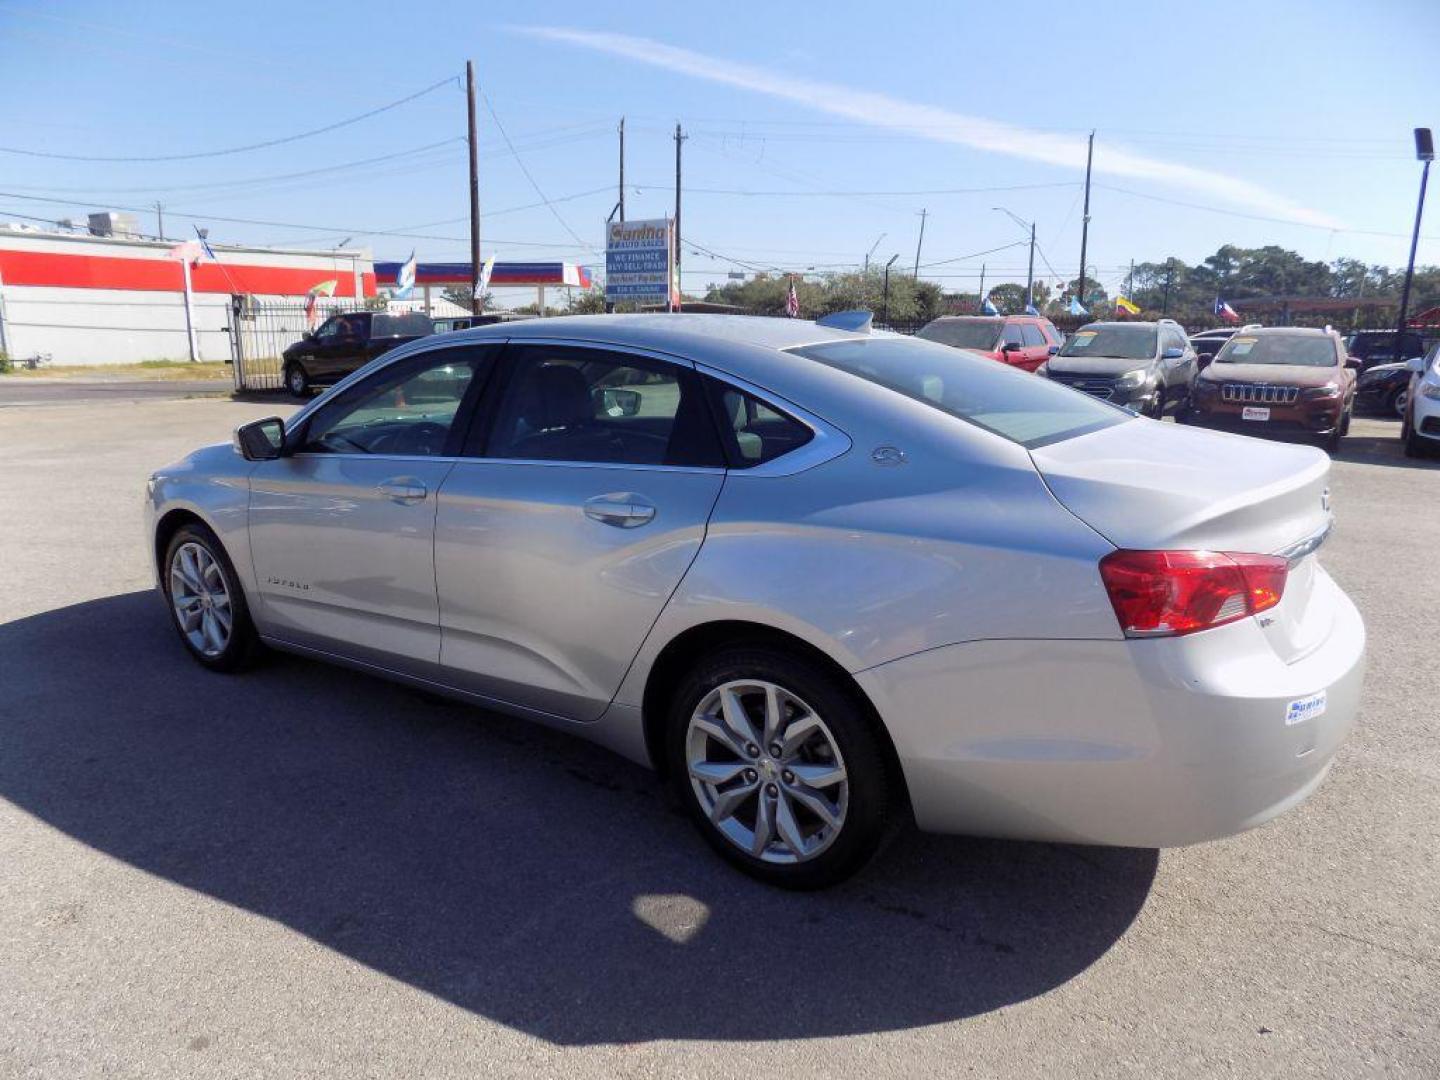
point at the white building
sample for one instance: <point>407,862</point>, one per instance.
<point>114,299</point>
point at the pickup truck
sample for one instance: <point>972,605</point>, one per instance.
<point>346,343</point>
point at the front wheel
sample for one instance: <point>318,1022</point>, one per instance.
<point>297,380</point>
<point>207,604</point>
<point>1399,401</point>
<point>779,767</point>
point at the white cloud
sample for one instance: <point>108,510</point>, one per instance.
<point>940,125</point>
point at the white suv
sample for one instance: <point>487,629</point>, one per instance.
<point>1421,431</point>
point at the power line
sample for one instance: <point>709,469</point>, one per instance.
<point>850,194</point>
<point>525,169</point>
<point>976,255</point>
<point>336,230</point>
<point>238,149</point>
<point>249,181</point>
<point>1252,217</point>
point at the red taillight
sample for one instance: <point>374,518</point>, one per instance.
<point>1158,593</point>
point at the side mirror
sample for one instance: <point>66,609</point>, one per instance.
<point>621,402</point>
<point>1353,364</point>
<point>1203,360</point>
<point>1172,353</point>
<point>1010,346</point>
<point>1052,350</point>
<point>261,440</point>
<point>1416,364</point>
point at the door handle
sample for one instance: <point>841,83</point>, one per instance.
<point>622,511</point>
<point>405,490</point>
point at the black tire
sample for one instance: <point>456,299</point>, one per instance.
<point>1345,423</point>
<point>243,645</point>
<point>1333,440</point>
<point>297,379</point>
<point>871,788</point>
<point>1415,446</point>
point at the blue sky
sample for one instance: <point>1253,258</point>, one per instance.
<point>813,130</point>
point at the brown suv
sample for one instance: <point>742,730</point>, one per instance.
<point>1279,380</point>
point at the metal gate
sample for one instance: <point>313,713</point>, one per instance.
<point>262,329</point>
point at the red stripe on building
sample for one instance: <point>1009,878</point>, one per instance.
<point>67,271</point>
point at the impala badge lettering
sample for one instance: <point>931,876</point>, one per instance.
<point>287,584</point>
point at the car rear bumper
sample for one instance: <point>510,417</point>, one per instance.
<point>1147,743</point>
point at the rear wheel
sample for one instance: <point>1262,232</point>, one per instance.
<point>207,604</point>
<point>779,767</point>
<point>297,380</point>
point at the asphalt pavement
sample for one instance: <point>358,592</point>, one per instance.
<point>22,391</point>
<point>305,872</point>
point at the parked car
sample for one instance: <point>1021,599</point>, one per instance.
<point>1370,348</point>
<point>1420,427</point>
<point>1384,388</point>
<point>1138,365</point>
<point>346,343</point>
<point>1023,341</point>
<point>1207,342</point>
<point>821,579</point>
<point>1279,380</point>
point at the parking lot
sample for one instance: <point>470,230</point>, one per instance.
<point>309,872</point>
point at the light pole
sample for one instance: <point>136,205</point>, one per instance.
<point>1424,151</point>
<point>872,249</point>
<point>1030,271</point>
<point>885,303</point>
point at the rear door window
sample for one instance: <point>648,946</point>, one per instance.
<point>575,404</point>
<point>1012,335</point>
<point>1033,337</point>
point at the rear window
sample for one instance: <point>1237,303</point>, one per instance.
<point>1112,342</point>
<point>963,335</point>
<point>996,397</point>
<point>401,324</point>
<point>1300,350</point>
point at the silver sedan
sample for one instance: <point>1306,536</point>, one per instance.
<point>825,580</point>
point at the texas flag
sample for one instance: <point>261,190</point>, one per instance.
<point>1225,311</point>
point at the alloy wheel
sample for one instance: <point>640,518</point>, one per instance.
<point>1401,400</point>
<point>200,599</point>
<point>767,771</point>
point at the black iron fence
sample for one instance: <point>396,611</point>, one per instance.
<point>261,331</point>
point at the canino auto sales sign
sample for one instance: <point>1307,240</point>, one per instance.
<point>639,261</point>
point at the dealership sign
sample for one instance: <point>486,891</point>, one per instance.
<point>639,261</point>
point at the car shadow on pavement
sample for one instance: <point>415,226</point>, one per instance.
<point>513,871</point>
<point>1368,450</point>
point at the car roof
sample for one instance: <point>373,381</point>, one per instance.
<point>1123,322</point>
<point>978,318</point>
<point>1295,331</point>
<point>751,347</point>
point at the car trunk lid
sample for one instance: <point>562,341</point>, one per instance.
<point>1153,486</point>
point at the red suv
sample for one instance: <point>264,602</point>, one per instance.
<point>1024,341</point>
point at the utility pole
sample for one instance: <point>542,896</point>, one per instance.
<point>1169,277</point>
<point>1130,283</point>
<point>622,168</point>
<point>1085,221</point>
<point>1424,151</point>
<point>919,242</point>
<point>477,299</point>
<point>679,288</point>
<point>980,296</point>
<point>160,220</point>
<point>1030,274</point>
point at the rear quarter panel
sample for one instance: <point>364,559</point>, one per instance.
<point>871,562</point>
